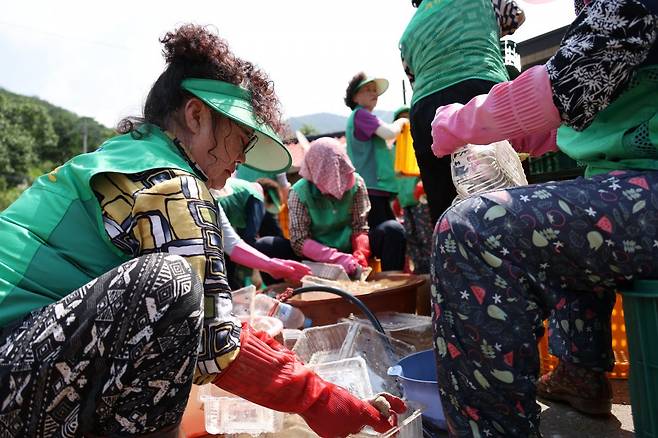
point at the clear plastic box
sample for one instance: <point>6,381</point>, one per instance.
<point>242,301</point>
<point>225,413</point>
<point>290,337</point>
<point>351,374</point>
<point>413,329</point>
<point>351,339</point>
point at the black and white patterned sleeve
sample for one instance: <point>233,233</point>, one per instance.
<point>598,56</point>
<point>509,16</point>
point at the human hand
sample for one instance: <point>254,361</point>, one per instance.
<point>444,141</point>
<point>289,269</point>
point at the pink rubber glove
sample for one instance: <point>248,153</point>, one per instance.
<point>512,109</point>
<point>249,256</point>
<point>536,144</point>
<point>322,253</point>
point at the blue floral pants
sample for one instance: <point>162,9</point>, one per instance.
<point>506,260</point>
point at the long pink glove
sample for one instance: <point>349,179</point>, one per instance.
<point>249,256</point>
<point>536,144</point>
<point>322,253</point>
<point>512,109</point>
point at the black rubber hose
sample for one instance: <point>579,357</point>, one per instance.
<point>348,296</point>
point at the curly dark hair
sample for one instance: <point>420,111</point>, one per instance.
<point>194,51</point>
<point>352,89</point>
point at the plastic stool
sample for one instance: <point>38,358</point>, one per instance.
<point>641,307</point>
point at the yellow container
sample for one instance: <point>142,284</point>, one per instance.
<point>619,346</point>
<point>405,157</point>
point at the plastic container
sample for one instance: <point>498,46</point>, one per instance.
<point>347,340</point>
<point>350,374</point>
<point>405,156</point>
<point>228,414</point>
<point>412,329</point>
<point>242,300</point>
<point>329,271</point>
<point>641,308</point>
<point>290,316</point>
<point>290,337</point>
<point>548,362</point>
<point>417,373</point>
<point>479,168</point>
<point>410,425</point>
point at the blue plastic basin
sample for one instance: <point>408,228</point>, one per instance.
<point>417,373</point>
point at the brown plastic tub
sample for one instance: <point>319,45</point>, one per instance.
<point>324,308</point>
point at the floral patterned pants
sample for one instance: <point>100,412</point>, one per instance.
<point>504,261</point>
<point>115,357</point>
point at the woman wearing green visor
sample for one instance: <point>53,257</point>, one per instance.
<point>113,290</point>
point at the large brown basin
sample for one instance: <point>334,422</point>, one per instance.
<point>324,308</point>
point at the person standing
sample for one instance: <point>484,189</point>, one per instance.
<point>450,52</point>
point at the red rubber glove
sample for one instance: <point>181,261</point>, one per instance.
<point>361,248</point>
<point>266,373</point>
<point>397,210</point>
<point>419,190</point>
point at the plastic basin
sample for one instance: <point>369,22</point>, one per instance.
<point>417,373</point>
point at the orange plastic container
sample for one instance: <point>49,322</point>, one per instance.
<point>619,346</point>
<point>405,157</point>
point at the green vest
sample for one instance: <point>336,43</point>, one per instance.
<point>331,221</point>
<point>407,186</point>
<point>450,41</point>
<point>250,174</point>
<point>235,202</point>
<point>372,159</point>
<point>53,238</point>
<point>622,136</point>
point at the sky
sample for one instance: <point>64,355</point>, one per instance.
<point>99,59</point>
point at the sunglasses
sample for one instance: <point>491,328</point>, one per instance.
<point>250,143</point>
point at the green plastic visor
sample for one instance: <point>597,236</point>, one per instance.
<point>269,154</point>
<point>381,83</point>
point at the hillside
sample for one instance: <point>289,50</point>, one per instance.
<point>35,136</point>
<point>325,123</point>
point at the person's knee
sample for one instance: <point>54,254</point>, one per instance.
<point>392,230</point>
<point>173,283</point>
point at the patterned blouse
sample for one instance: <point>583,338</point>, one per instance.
<point>599,55</point>
<point>169,210</point>
<point>300,220</point>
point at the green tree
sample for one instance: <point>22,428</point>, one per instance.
<point>308,129</point>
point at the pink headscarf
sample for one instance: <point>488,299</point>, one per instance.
<point>327,165</point>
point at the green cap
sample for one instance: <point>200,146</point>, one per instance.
<point>269,154</point>
<point>382,84</point>
<point>402,109</point>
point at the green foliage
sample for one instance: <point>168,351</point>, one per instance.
<point>35,136</point>
<point>308,129</point>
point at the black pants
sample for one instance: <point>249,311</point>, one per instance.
<point>380,210</point>
<point>435,172</point>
